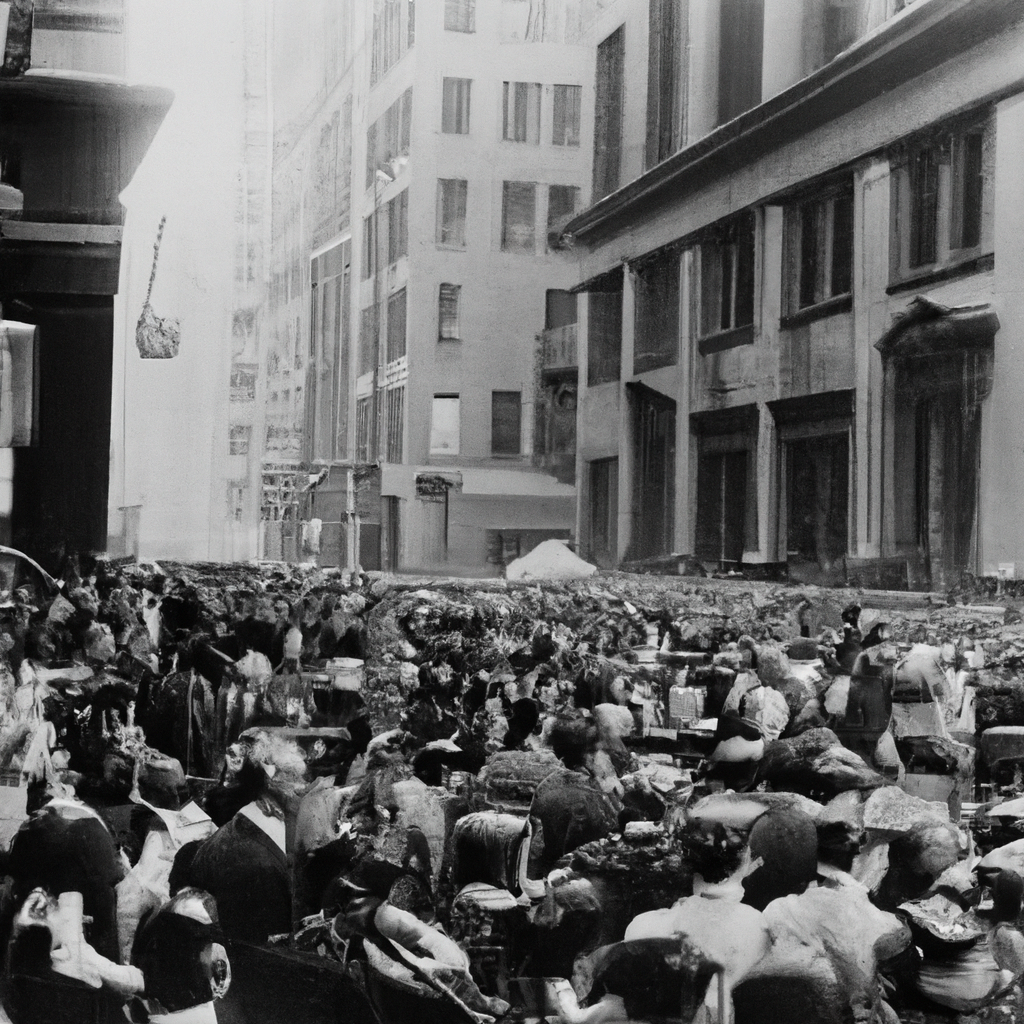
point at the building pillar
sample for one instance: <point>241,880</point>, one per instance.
<point>783,56</point>
<point>582,523</point>
<point>872,472</point>
<point>626,446</point>
<point>703,42</point>
<point>1000,525</point>
<point>685,486</point>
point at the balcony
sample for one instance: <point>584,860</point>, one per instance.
<point>559,353</point>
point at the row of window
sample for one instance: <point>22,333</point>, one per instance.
<point>506,424</point>
<point>940,217</point>
<point>519,210</point>
<point>522,105</point>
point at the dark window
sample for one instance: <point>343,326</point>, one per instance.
<point>393,34</point>
<point>451,212</point>
<point>460,15</point>
<point>559,308</point>
<point>521,112</point>
<point>604,336</point>
<point>506,422</point>
<point>721,506</point>
<point>727,277</point>
<point>518,216</point>
<point>455,106</point>
<point>968,182</point>
<point>396,326</point>
<point>566,122</point>
<point>367,339</point>
<point>394,423</point>
<point>663,70</point>
<point>398,226</point>
<point>608,113</point>
<point>739,57</point>
<point>563,201</point>
<point>924,206</point>
<point>657,312</point>
<point>369,249</point>
<point>448,312</point>
<point>819,258</point>
<point>388,137</point>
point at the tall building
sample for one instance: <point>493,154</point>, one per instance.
<point>801,312</point>
<point>426,160</point>
<point>72,133</point>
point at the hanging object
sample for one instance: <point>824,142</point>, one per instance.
<point>156,337</point>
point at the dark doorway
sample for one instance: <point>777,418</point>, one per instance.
<point>721,506</point>
<point>817,500</point>
<point>604,512</point>
<point>654,453</point>
<point>60,485</point>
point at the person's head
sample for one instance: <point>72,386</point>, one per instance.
<point>571,740</point>
<point>714,851</point>
<point>179,951</point>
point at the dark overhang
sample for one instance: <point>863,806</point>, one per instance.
<point>928,34</point>
<point>927,328</point>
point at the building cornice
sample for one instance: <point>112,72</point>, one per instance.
<point>926,35</point>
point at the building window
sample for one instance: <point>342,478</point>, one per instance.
<point>656,311</point>
<point>563,201</point>
<point>455,106</point>
<point>238,439</point>
<point>393,34</point>
<point>819,249</point>
<point>727,278</point>
<point>394,423</point>
<point>942,200</point>
<point>611,55</point>
<point>521,112</point>
<point>389,136</point>
<point>664,65</point>
<point>460,15</point>
<point>506,423</point>
<point>398,226</point>
<point>369,248</point>
<point>367,339</point>
<point>559,308</point>
<point>451,212</point>
<point>243,383</point>
<point>739,57</point>
<point>566,125</point>
<point>604,333</point>
<point>448,297</point>
<point>364,417</point>
<point>396,326</point>
<point>444,425</point>
<point>518,216</point>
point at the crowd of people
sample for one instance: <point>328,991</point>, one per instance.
<point>504,843</point>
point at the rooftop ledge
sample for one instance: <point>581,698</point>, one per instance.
<point>921,37</point>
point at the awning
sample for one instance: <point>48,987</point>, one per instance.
<point>928,328</point>
<point>609,281</point>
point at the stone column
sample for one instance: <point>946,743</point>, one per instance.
<point>783,58</point>
<point>626,418</point>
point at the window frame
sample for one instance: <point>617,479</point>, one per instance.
<point>454,297</point>
<point>566,115</point>
<point>460,16</point>
<point>963,154</point>
<point>456,105</point>
<point>554,227</point>
<point>518,405</point>
<point>459,198</point>
<point>824,208</point>
<point>726,236</point>
<point>437,449</point>
<point>522,248</point>
<point>517,106</point>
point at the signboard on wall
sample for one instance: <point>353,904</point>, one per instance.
<point>18,384</point>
